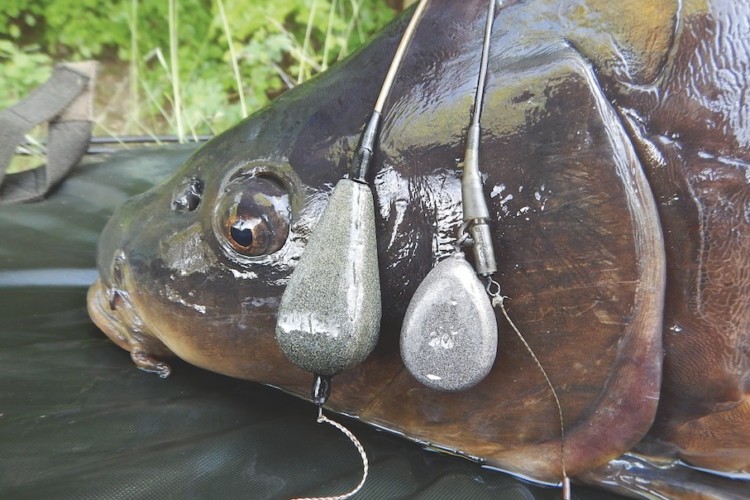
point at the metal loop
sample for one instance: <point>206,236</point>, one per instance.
<point>492,287</point>
<point>460,242</point>
<point>462,234</point>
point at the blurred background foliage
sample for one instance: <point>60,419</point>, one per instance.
<point>186,67</point>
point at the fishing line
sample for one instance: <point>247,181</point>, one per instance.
<point>498,300</point>
<point>362,454</point>
<point>483,64</point>
<point>449,334</point>
<point>398,56</point>
<point>329,315</point>
<point>361,163</point>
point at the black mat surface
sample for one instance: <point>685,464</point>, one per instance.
<point>78,420</point>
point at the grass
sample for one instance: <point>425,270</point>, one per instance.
<point>169,110</point>
<point>233,55</point>
<point>175,70</point>
<point>207,75</point>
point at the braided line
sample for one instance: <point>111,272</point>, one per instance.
<point>493,290</point>
<point>365,463</point>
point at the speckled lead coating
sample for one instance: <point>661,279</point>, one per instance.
<point>449,335</point>
<point>329,316</point>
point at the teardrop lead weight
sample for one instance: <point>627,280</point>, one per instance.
<point>449,334</point>
<point>329,316</point>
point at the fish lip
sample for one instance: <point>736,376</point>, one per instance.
<point>118,324</point>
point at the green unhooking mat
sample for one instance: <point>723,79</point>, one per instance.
<point>78,420</point>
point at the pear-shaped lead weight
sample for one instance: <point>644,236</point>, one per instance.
<point>449,334</point>
<point>329,316</point>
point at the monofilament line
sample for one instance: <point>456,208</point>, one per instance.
<point>365,463</point>
<point>400,51</point>
<point>499,300</point>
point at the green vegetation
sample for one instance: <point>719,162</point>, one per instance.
<point>186,67</point>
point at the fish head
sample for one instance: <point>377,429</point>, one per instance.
<point>196,266</point>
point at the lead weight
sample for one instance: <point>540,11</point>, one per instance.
<point>329,316</point>
<point>449,334</point>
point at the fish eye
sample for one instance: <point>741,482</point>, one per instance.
<point>252,216</point>
<point>188,195</point>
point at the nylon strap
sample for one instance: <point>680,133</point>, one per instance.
<point>65,101</point>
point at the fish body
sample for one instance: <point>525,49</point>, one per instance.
<point>615,153</point>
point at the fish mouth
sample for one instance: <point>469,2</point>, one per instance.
<point>113,316</point>
<point>112,308</point>
<point>112,311</point>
